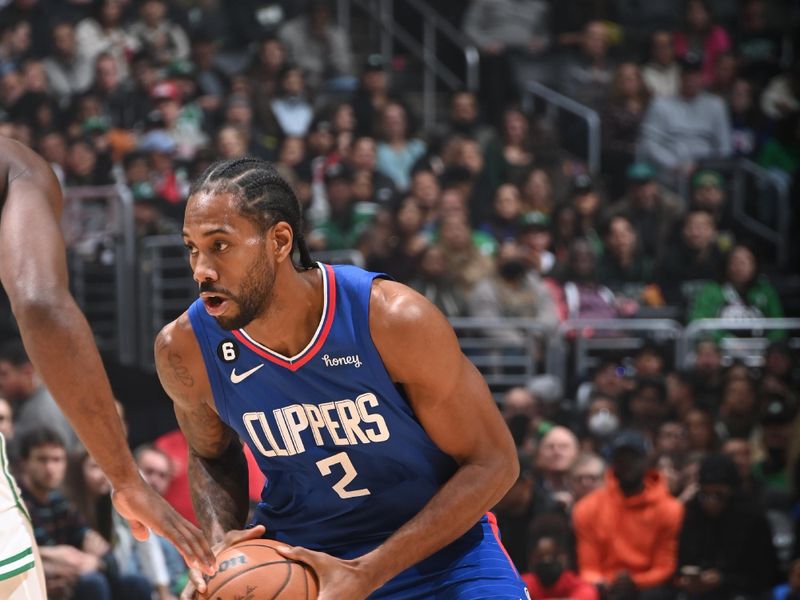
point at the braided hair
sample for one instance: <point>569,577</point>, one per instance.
<point>263,196</point>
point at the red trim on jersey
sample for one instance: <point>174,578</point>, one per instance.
<point>493,524</point>
<point>298,362</point>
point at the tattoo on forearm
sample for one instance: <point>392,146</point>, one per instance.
<point>179,370</point>
<point>219,490</point>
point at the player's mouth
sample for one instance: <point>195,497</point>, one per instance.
<point>215,304</point>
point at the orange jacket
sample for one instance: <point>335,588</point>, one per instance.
<point>638,534</point>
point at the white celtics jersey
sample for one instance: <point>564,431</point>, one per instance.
<point>9,494</point>
<point>16,539</point>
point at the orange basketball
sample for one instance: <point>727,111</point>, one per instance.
<point>253,569</point>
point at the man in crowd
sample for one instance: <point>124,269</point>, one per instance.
<point>76,559</point>
<point>726,549</point>
<point>586,475</point>
<point>157,470</point>
<point>695,260</point>
<point>680,130</point>
<point>319,47</point>
<point>68,72</point>
<point>558,451</point>
<point>587,76</point>
<point>627,531</point>
<point>653,210</point>
<point>34,407</point>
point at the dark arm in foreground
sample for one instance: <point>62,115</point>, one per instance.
<point>61,346</point>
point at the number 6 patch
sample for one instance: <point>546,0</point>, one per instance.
<point>228,351</point>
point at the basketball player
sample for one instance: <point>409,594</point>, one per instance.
<point>61,348</point>
<point>381,444</point>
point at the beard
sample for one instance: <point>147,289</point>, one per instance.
<point>254,297</point>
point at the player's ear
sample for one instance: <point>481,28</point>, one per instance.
<point>282,240</point>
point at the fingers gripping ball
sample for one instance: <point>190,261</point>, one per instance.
<point>253,570</point>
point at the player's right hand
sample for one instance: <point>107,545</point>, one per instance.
<point>197,583</point>
<point>145,509</point>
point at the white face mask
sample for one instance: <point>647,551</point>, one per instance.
<point>603,423</point>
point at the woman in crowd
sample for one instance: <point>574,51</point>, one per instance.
<point>513,156</point>
<point>134,568</point>
<point>741,292</point>
<point>408,241</point>
<point>537,191</point>
<point>702,37</point>
<point>398,151</point>
<point>504,223</point>
<point>623,267</point>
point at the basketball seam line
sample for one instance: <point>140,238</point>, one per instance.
<point>247,570</point>
<point>285,582</point>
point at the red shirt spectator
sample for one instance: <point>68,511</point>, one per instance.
<point>548,576</point>
<point>568,585</point>
<point>174,445</point>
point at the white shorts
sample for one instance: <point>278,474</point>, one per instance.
<point>21,571</point>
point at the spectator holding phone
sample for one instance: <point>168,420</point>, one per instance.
<point>725,547</point>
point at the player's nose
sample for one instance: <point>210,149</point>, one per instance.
<point>204,270</point>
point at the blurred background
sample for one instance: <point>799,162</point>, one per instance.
<point>602,196</point>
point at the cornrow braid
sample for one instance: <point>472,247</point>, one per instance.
<point>263,195</point>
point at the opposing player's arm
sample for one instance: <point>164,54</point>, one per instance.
<point>56,335</point>
<point>454,405</point>
<point>60,343</point>
<point>217,465</point>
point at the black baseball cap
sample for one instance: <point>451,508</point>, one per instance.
<point>582,184</point>
<point>632,440</point>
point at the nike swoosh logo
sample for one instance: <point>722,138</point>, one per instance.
<point>240,377</point>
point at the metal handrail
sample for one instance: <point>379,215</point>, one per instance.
<point>696,328</point>
<point>783,203</point>
<point>557,356</point>
<point>121,201</point>
<point>554,100</point>
<point>433,25</point>
<point>497,322</point>
<point>458,38</point>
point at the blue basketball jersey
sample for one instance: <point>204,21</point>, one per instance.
<point>347,463</point>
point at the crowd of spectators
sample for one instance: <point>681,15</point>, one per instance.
<point>642,480</point>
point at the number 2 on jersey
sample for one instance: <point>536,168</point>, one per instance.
<point>350,473</point>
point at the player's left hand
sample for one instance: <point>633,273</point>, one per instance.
<point>337,578</point>
<point>145,509</point>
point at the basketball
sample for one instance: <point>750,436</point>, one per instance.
<point>253,570</point>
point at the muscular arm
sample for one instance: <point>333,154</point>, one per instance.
<point>453,404</point>
<point>61,346</point>
<point>217,465</point>
<point>55,333</point>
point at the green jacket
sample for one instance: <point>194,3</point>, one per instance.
<point>343,233</point>
<point>721,300</point>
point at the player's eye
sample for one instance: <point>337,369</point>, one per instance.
<point>220,246</point>
<point>191,249</point>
